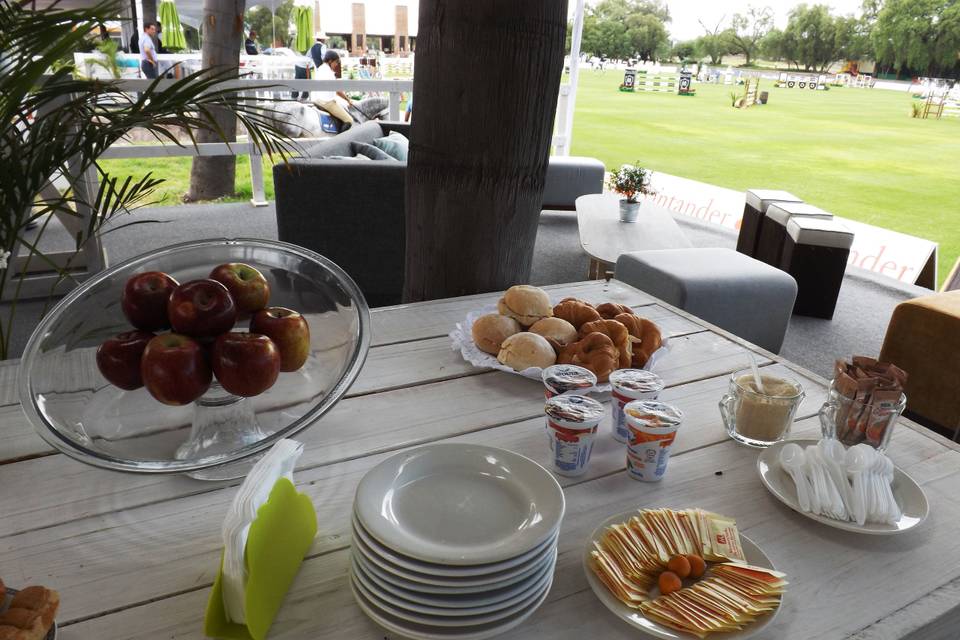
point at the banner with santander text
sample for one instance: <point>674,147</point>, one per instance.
<point>892,254</point>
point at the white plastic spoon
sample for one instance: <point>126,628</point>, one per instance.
<point>835,456</point>
<point>856,465</point>
<point>791,459</point>
<point>894,513</point>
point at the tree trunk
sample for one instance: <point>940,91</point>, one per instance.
<point>213,177</point>
<point>486,85</point>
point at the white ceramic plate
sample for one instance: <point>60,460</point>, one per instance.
<point>6,598</point>
<point>415,631</point>
<point>471,587</point>
<point>468,615</point>
<point>445,570</point>
<point>459,504</point>
<point>486,581</point>
<point>909,495</point>
<point>456,600</point>
<point>635,618</point>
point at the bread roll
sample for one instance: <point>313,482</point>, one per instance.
<point>525,304</point>
<point>524,350</point>
<point>491,330</point>
<point>556,328</point>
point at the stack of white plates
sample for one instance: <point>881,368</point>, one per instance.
<point>454,541</point>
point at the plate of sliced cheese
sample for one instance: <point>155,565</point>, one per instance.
<point>680,574</point>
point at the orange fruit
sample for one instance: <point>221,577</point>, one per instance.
<point>669,582</point>
<point>697,565</point>
<point>680,565</point>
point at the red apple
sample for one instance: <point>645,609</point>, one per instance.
<point>174,369</point>
<point>202,309</point>
<point>119,359</point>
<point>288,330</point>
<point>246,364</point>
<point>250,290</point>
<point>144,300</point>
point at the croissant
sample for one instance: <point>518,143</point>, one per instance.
<point>595,352</point>
<point>610,310</point>
<point>617,333</point>
<point>647,332</point>
<point>576,312</point>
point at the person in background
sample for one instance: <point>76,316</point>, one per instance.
<point>135,42</point>
<point>148,51</point>
<point>160,48</point>
<point>327,100</point>
<point>318,49</point>
<point>250,44</point>
<point>409,112</point>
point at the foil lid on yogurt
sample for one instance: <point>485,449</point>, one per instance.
<point>653,413</point>
<point>574,409</point>
<point>637,380</point>
<point>567,377</point>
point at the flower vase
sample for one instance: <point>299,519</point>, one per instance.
<point>629,211</point>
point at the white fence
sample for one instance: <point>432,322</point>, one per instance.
<point>258,89</point>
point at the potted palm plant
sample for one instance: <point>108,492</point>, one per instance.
<point>630,181</point>
<point>55,125</point>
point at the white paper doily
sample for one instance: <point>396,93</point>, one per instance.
<point>462,340</point>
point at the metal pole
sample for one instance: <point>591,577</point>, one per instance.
<point>273,23</point>
<point>574,75</point>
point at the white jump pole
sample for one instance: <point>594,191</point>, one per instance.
<point>571,101</point>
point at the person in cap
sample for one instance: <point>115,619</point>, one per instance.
<point>318,49</point>
<point>329,69</point>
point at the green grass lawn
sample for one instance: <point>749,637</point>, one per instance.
<point>854,152</point>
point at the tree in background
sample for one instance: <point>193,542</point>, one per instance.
<point>923,35</point>
<point>682,51</point>
<point>714,43</point>
<point>263,22</point>
<point>215,176</point>
<point>626,29</point>
<point>748,29</point>
<point>810,39</point>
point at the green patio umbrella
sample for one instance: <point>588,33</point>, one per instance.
<point>172,35</point>
<point>303,18</point>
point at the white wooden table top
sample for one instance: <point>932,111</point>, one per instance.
<point>134,556</point>
<point>604,238</point>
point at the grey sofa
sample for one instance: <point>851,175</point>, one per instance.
<point>352,211</point>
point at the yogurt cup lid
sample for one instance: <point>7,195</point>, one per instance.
<point>564,377</point>
<point>653,413</point>
<point>574,409</point>
<point>636,380</point>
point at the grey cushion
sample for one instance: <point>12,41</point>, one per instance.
<point>372,152</point>
<point>746,297</point>
<point>339,145</point>
<point>568,178</point>
<point>395,145</point>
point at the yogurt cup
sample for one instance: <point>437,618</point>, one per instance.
<point>572,423</point>
<point>628,385</point>
<point>653,426</point>
<point>562,378</point>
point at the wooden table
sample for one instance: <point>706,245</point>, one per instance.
<point>604,238</point>
<point>133,556</point>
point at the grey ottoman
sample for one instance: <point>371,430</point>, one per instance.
<point>568,178</point>
<point>746,297</point>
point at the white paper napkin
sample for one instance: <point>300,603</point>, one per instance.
<point>277,463</point>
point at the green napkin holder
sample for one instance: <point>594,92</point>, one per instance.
<point>279,538</point>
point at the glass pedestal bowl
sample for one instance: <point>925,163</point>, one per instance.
<point>218,436</point>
